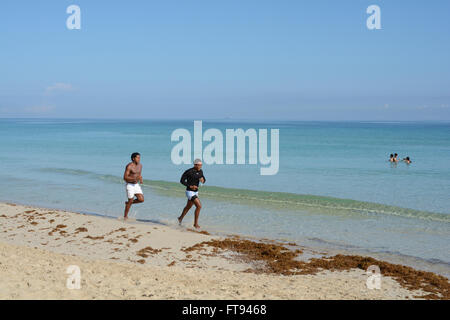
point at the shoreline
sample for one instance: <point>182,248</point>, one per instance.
<point>310,250</point>
<point>114,254</point>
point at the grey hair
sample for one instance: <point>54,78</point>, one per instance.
<point>196,161</point>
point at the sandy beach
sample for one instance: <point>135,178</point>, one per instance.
<point>131,260</point>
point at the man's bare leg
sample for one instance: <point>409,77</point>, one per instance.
<point>139,199</point>
<point>198,205</point>
<point>127,208</point>
<point>185,211</point>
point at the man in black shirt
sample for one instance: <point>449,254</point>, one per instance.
<point>191,179</point>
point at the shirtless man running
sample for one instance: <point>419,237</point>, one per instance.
<point>132,177</point>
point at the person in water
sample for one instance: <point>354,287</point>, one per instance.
<point>132,177</point>
<point>395,157</point>
<point>407,160</point>
<point>191,179</point>
<point>391,158</point>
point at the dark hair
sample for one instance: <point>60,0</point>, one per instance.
<point>391,155</point>
<point>396,154</point>
<point>134,155</point>
<point>407,158</point>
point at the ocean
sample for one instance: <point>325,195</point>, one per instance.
<point>335,190</point>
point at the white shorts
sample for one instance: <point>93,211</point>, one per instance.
<point>133,189</point>
<point>191,194</point>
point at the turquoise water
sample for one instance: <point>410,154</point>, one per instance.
<point>334,190</point>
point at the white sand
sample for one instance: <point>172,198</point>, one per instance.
<point>34,258</point>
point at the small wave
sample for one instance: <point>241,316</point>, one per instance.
<point>79,172</point>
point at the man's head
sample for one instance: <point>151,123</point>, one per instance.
<point>197,164</point>
<point>136,157</point>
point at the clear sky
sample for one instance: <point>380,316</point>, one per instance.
<point>238,59</point>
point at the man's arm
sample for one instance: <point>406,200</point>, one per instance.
<point>183,179</point>
<point>126,175</point>
<point>202,178</point>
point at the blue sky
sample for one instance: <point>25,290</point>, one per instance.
<point>204,59</point>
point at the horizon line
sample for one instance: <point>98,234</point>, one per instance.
<point>220,119</point>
